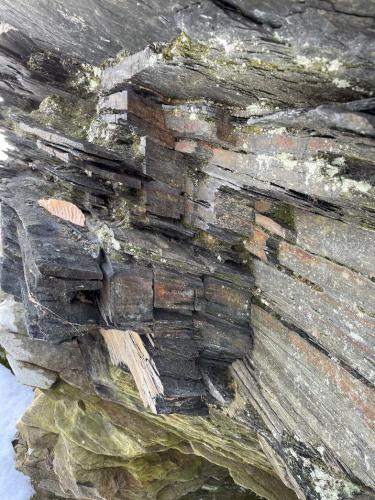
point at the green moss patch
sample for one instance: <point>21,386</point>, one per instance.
<point>72,117</point>
<point>284,215</point>
<point>3,358</point>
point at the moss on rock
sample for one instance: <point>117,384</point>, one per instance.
<point>184,46</point>
<point>3,358</point>
<point>98,441</point>
<point>72,117</point>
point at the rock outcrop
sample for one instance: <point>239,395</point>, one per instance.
<point>187,241</point>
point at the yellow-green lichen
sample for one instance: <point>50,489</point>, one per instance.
<point>261,64</point>
<point>38,61</point>
<point>183,46</point>
<point>81,78</point>
<point>72,117</point>
<point>120,211</point>
<point>116,138</point>
<point>138,146</point>
<point>100,132</point>
<point>112,61</point>
<point>86,79</point>
<point>368,225</point>
<point>209,242</point>
<point>251,130</point>
<point>196,175</point>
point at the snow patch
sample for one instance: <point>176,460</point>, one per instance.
<point>14,399</point>
<point>4,146</point>
<point>7,315</point>
<point>334,65</point>
<point>5,27</point>
<point>341,84</point>
<point>319,64</point>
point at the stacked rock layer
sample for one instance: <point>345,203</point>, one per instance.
<point>187,247</point>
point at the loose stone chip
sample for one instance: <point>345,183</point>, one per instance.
<point>64,210</point>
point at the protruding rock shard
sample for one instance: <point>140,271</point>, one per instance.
<point>126,348</point>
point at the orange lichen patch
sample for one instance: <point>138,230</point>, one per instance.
<point>284,142</point>
<point>270,225</point>
<point>316,144</point>
<point>223,157</point>
<point>286,249</point>
<point>186,146</point>
<point>170,293</point>
<point>64,210</point>
<point>256,244</point>
<point>263,205</point>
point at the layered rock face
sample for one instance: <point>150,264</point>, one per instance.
<point>187,241</point>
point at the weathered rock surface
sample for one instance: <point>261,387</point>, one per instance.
<point>197,312</point>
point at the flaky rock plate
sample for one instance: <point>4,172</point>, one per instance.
<point>64,210</point>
